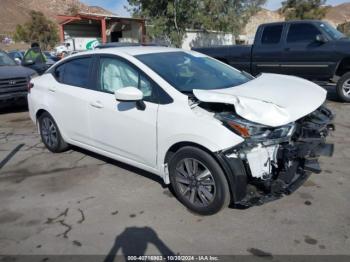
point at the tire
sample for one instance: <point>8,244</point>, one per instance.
<point>50,134</point>
<point>204,190</point>
<point>343,87</point>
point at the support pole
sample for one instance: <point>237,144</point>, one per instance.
<point>103,29</point>
<point>61,33</point>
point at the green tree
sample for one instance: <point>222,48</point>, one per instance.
<point>344,28</point>
<point>226,15</point>
<point>303,9</point>
<point>37,29</point>
<point>169,19</point>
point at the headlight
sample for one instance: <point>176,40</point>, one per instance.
<point>254,131</point>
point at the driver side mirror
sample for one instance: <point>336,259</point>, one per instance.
<point>321,38</point>
<point>130,94</point>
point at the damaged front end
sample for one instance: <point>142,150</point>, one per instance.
<point>273,162</point>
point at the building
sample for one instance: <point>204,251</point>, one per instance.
<point>85,30</point>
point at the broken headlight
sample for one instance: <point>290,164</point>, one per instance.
<point>254,131</point>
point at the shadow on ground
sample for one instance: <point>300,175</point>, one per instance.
<point>130,168</point>
<point>18,107</point>
<point>134,241</point>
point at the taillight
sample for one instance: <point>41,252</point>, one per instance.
<point>30,85</point>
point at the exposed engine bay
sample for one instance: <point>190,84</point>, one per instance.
<point>277,160</point>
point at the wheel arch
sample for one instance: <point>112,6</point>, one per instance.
<point>236,180</point>
<point>39,113</point>
<point>343,66</point>
<point>177,146</point>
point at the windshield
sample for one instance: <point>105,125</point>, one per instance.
<point>186,71</point>
<point>331,31</point>
<point>5,60</point>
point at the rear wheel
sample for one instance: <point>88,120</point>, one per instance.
<point>50,134</point>
<point>343,87</point>
<point>198,181</point>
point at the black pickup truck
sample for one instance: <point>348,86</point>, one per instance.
<point>310,49</point>
<point>13,80</point>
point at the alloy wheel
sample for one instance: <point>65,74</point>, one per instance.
<point>346,88</point>
<point>49,132</point>
<point>195,182</point>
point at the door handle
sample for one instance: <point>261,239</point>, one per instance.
<point>51,89</point>
<point>96,104</point>
<point>287,49</point>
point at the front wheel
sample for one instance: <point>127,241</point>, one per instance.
<point>343,87</point>
<point>198,181</point>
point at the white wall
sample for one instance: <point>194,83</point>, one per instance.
<point>206,39</point>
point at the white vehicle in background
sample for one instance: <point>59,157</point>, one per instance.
<point>62,49</point>
<point>77,44</point>
<point>217,135</point>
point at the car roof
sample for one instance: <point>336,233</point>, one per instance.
<point>133,50</point>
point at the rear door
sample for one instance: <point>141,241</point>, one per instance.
<point>268,49</point>
<point>303,56</point>
<point>70,94</point>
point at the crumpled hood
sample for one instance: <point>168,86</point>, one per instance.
<point>270,99</point>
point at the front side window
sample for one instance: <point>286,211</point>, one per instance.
<point>186,71</point>
<point>272,34</point>
<point>76,72</point>
<point>116,74</point>
<point>302,32</point>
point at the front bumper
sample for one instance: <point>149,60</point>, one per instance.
<point>294,161</point>
<point>7,99</point>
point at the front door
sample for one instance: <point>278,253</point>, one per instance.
<point>123,128</point>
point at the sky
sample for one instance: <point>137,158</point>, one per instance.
<point>117,6</point>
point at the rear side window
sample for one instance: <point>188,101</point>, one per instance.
<point>302,33</point>
<point>272,34</point>
<point>75,72</point>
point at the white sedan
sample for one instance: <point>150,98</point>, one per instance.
<point>217,135</point>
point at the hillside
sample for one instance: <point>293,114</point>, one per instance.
<point>13,12</point>
<point>263,16</point>
<point>335,15</point>
<point>339,14</point>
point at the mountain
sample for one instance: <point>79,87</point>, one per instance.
<point>263,16</point>
<point>13,12</point>
<point>335,15</point>
<point>338,14</point>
